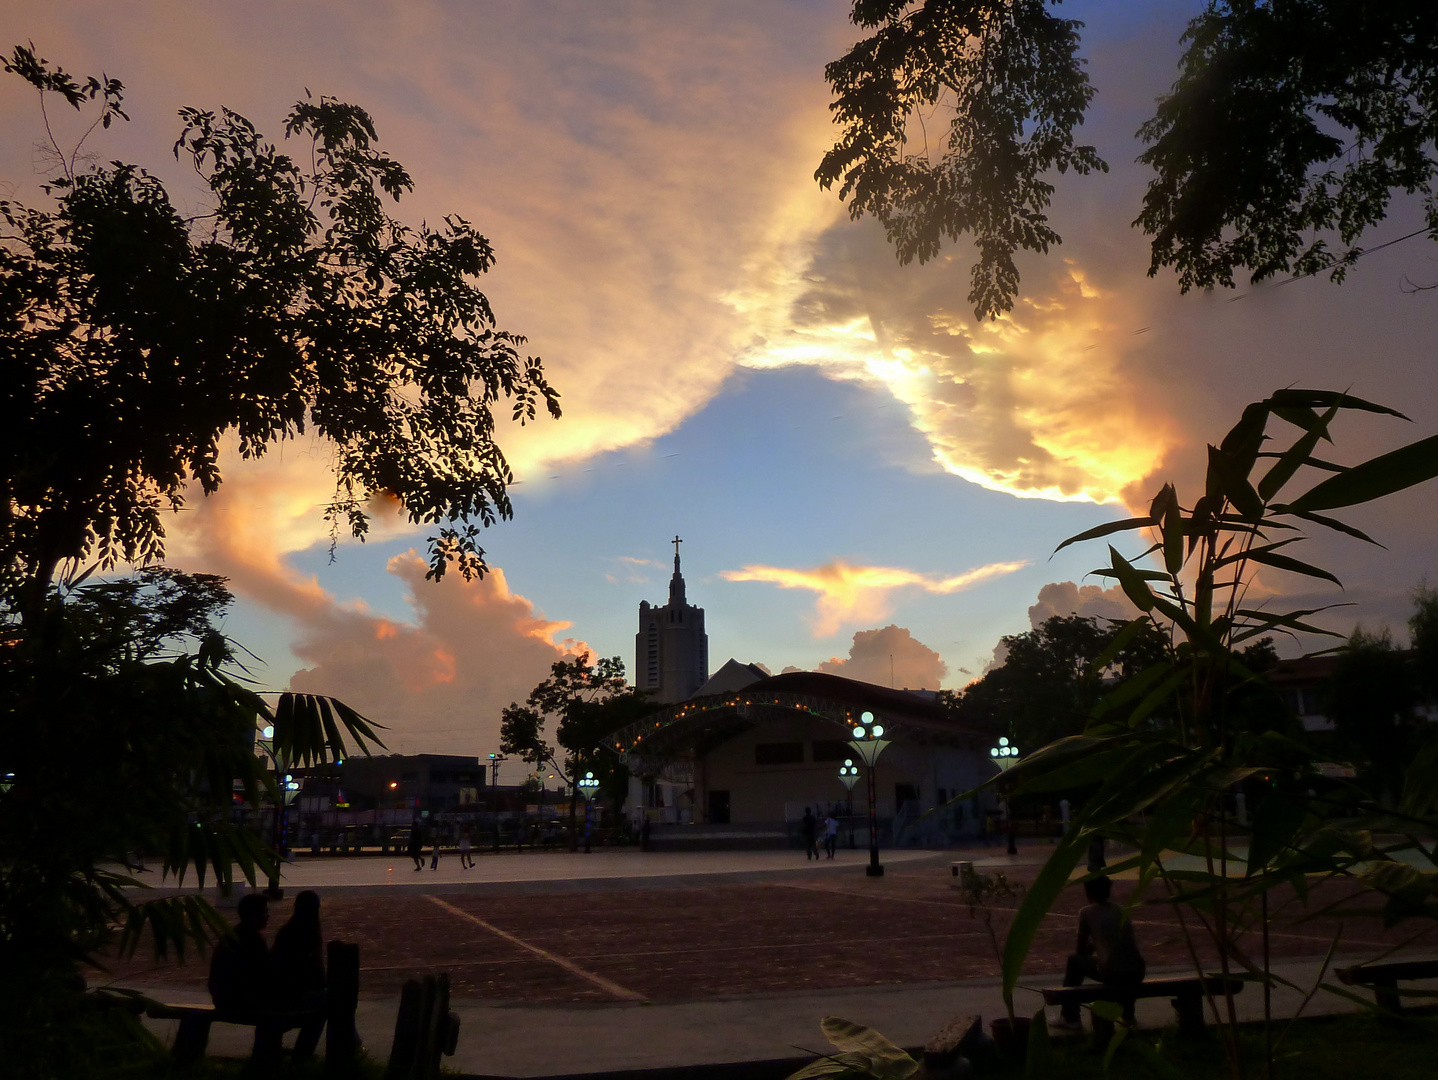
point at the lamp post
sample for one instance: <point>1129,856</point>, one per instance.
<point>588,788</point>
<point>287,787</point>
<point>494,760</point>
<point>849,776</point>
<point>1004,755</point>
<point>866,737</point>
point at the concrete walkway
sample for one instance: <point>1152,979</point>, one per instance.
<point>533,1041</point>
<point>330,875</point>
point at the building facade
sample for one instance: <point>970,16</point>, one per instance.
<point>671,649</point>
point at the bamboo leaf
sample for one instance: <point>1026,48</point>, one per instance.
<point>1334,523</point>
<point>1227,478</point>
<point>1323,399</point>
<point>1394,471</point>
<point>1120,642</point>
<point>1131,581</point>
<point>1038,1062</point>
<point>1293,460</point>
<point>1296,566</point>
<point>1108,530</point>
<point>1240,555</point>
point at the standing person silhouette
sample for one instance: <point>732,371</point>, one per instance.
<point>831,834</point>
<point>297,961</point>
<point>416,845</point>
<point>809,829</point>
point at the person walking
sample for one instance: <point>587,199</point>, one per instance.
<point>831,834</point>
<point>809,830</point>
<point>466,860</point>
<point>416,845</point>
<point>434,852</point>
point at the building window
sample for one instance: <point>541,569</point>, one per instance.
<point>832,750</point>
<point>779,753</point>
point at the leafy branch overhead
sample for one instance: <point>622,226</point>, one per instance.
<point>1004,86</point>
<point>141,339</point>
<point>1291,127</point>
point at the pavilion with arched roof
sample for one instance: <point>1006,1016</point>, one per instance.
<point>758,750</point>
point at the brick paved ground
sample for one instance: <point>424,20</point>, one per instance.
<point>684,943</point>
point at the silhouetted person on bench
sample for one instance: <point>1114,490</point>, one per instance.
<point>240,968</point>
<point>297,963</point>
<point>1107,951</point>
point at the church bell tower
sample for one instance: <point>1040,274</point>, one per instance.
<point>671,650</point>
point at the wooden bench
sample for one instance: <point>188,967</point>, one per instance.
<point>338,1012</point>
<point>424,1030</point>
<point>1384,979</point>
<point>1187,994</point>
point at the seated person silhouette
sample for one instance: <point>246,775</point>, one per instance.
<point>240,968</point>
<point>1107,951</point>
<point>297,963</point>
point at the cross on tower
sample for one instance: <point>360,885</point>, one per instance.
<point>676,542</point>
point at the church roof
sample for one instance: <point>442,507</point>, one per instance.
<point>732,676</point>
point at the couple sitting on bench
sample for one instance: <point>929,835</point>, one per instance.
<point>1106,951</point>
<point>246,976</point>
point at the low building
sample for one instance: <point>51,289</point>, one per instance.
<point>414,782</point>
<point>751,751</point>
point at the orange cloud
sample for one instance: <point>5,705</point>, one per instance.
<point>861,593</point>
<point>890,656</point>
<point>437,681</point>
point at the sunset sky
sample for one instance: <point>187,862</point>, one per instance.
<point>842,446</point>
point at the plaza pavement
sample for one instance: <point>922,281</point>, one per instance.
<point>501,1040</point>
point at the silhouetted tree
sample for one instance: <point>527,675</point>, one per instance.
<point>1290,127</point>
<point>589,702</point>
<point>1371,695</point>
<point>136,338</point>
<point>1047,684</point>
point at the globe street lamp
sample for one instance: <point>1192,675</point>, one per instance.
<point>288,787</point>
<point>866,737</point>
<point>1004,755</point>
<point>849,776</point>
<point>588,787</point>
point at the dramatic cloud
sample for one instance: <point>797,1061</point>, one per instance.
<point>1045,402</point>
<point>437,681</point>
<point>1086,601</point>
<point>440,681</point>
<point>890,656</point>
<point>861,593</point>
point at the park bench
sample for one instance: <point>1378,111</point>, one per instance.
<point>424,1030</point>
<point>1384,979</point>
<point>341,999</point>
<point>1187,993</point>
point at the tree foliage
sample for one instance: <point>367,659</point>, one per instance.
<point>1290,128</point>
<point>1047,684</point>
<point>1371,695</point>
<point>1007,78</point>
<point>136,339</point>
<point>588,702</point>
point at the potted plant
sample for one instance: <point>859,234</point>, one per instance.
<point>979,892</point>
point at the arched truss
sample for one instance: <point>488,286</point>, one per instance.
<point>681,728</point>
